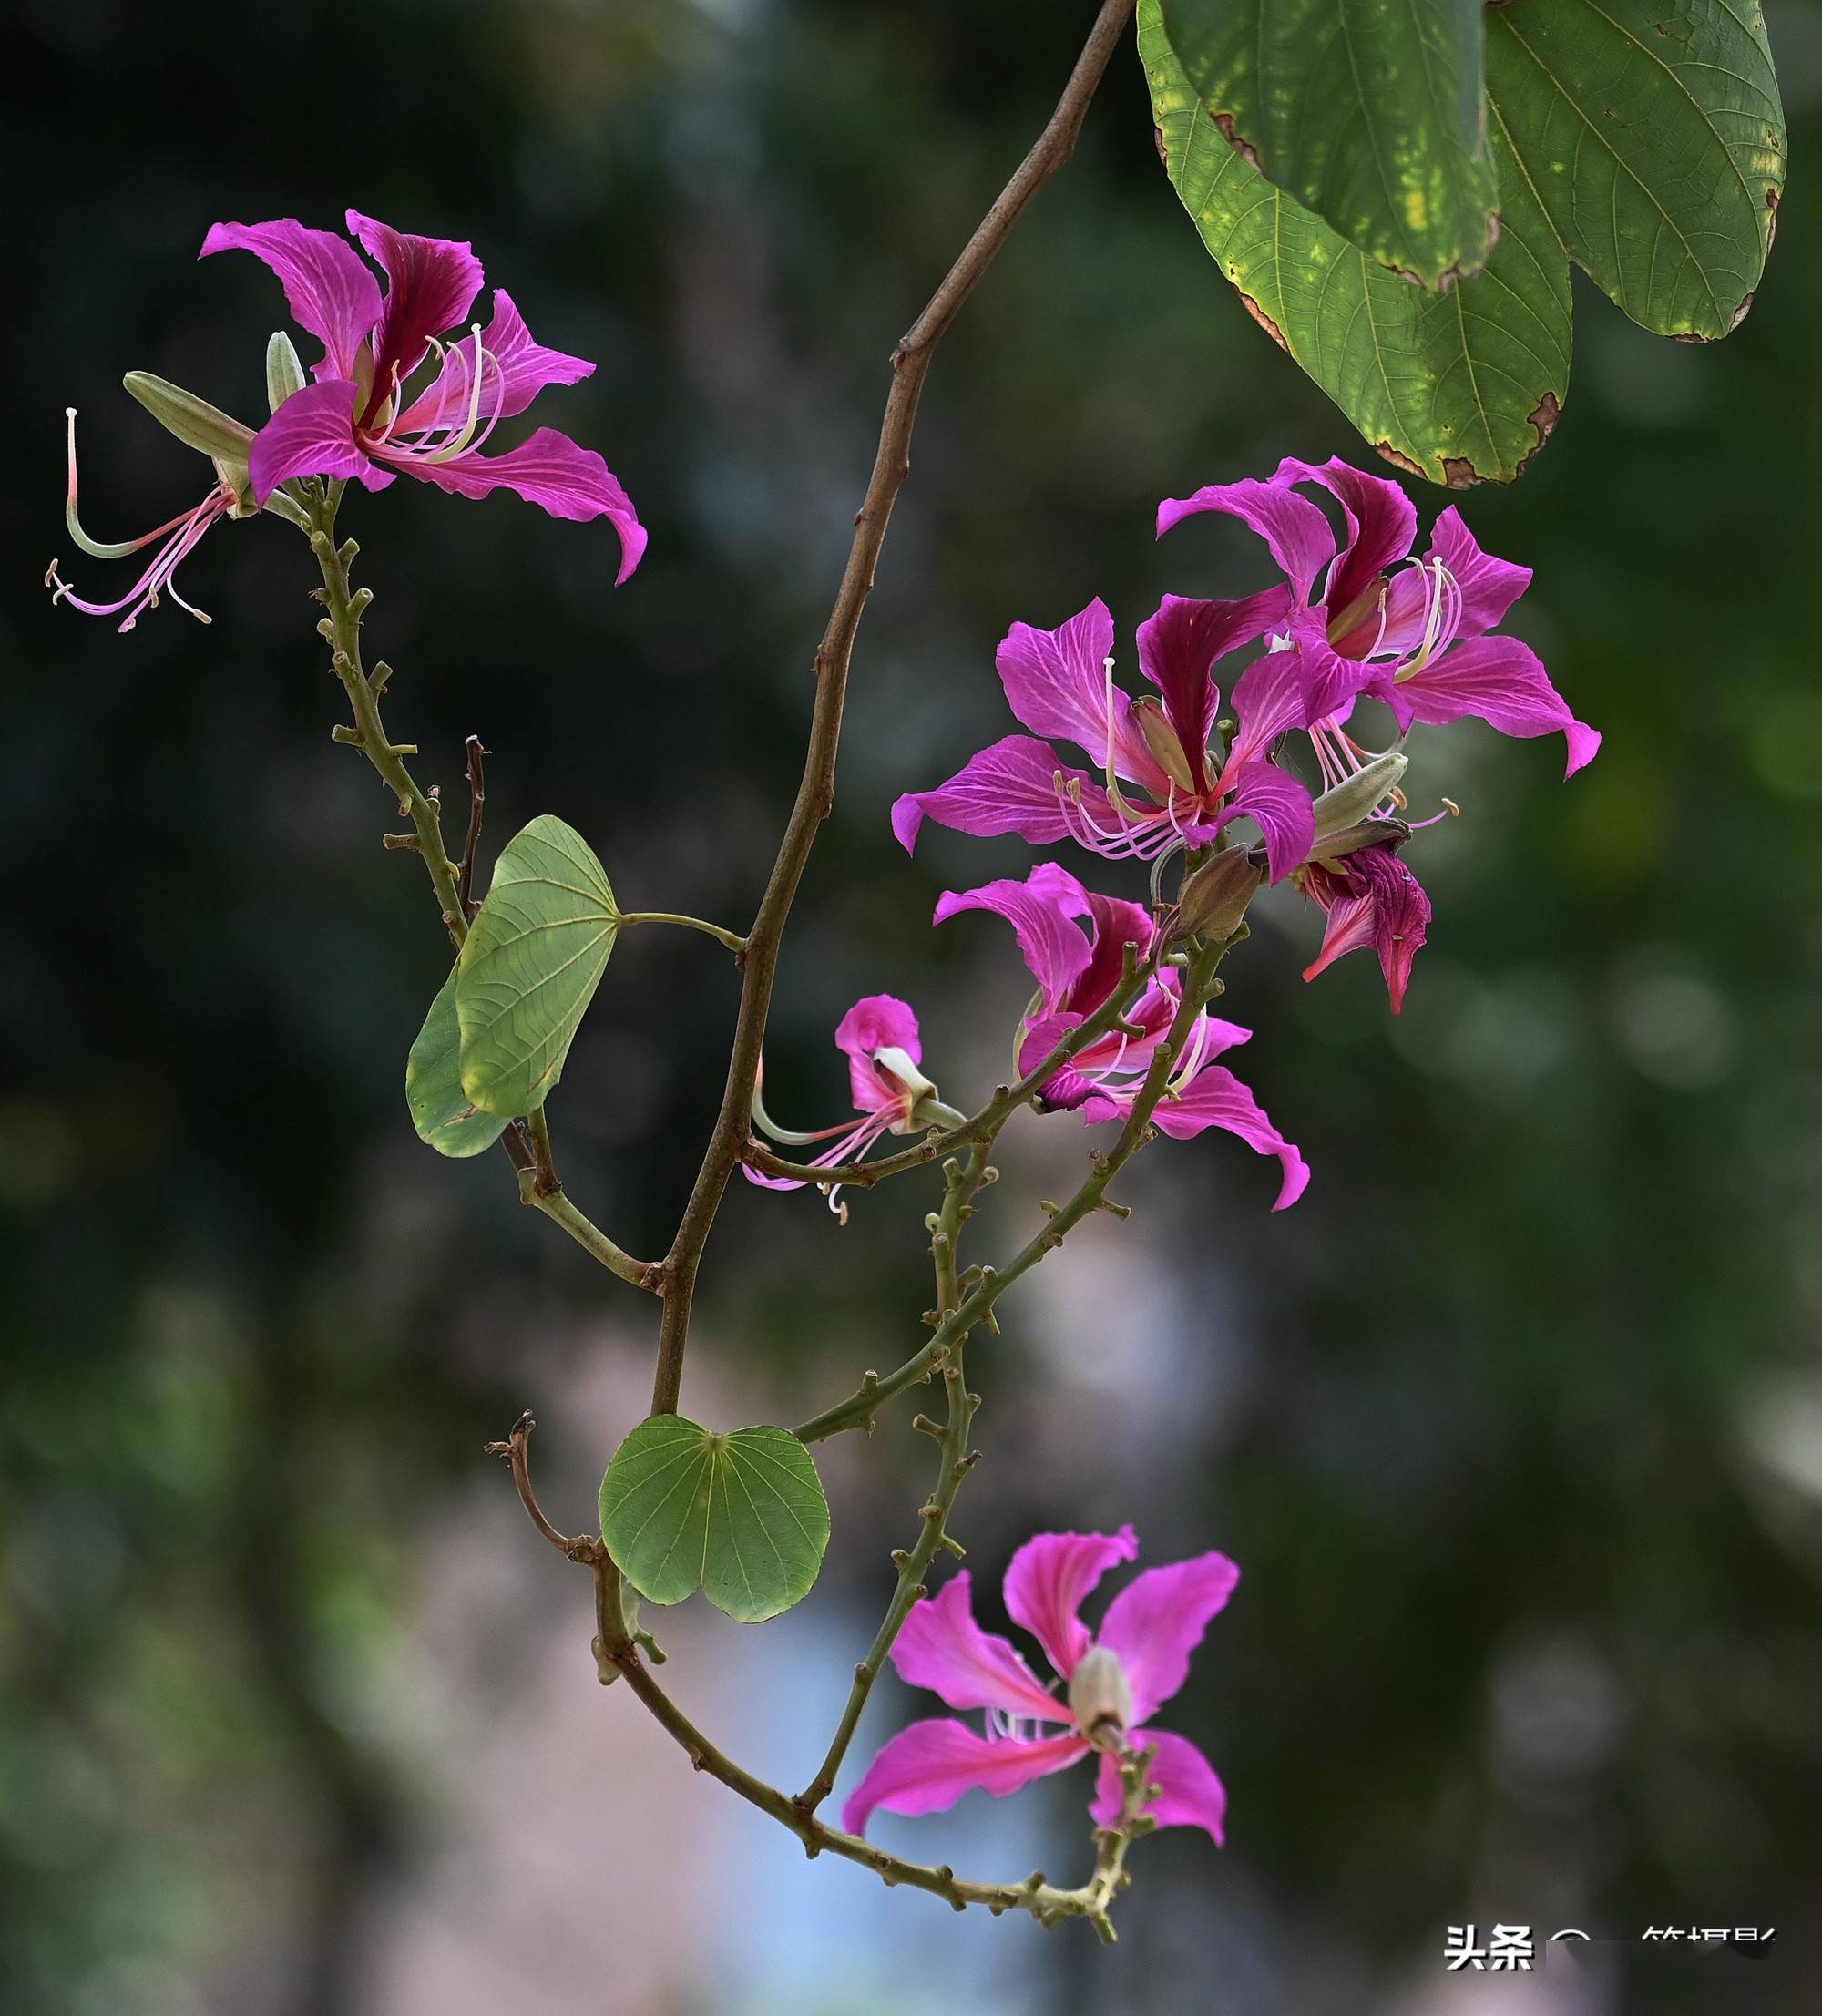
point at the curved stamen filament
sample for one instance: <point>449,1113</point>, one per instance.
<point>1114,799</point>
<point>103,549</point>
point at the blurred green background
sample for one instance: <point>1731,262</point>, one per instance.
<point>1514,1422</point>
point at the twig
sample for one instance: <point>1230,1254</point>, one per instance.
<point>516,1449</point>
<point>477,802</point>
<point>617,1654</point>
<point>815,792</point>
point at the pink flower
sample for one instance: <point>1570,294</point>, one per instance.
<point>1416,638</point>
<point>1370,898</point>
<point>1160,785</point>
<point>878,1036</point>
<point>362,418</point>
<point>1115,1680</point>
<point>1076,973</point>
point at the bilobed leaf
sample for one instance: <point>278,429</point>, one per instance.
<point>530,966</point>
<point>443,1114</point>
<point>1457,387</point>
<point>741,1517</point>
<point>1649,150</point>
<point>1653,137</point>
<point>1370,113</point>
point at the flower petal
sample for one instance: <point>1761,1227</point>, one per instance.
<point>1042,910</point>
<point>942,1648</point>
<point>431,284</point>
<point>1215,1098</point>
<point>550,470</point>
<point>514,370</point>
<point>1047,1580</point>
<point>1065,1089</point>
<point>876,1022</point>
<point>1158,1620</point>
<point>1115,924</point>
<point>331,291</point>
<point>1283,688</point>
<point>1178,648</point>
<point>1489,586</point>
<point>1009,787</point>
<point>1382,521</point>
<point>1280,806</point>
<point>1188,1793</point>
<point>1498,679</point>
<point>929,1766</point>
<point>1057,685</point>
<point>1300,536</point>
<point>312,435</point>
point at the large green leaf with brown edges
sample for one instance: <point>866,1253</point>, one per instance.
<point>1372,114</point>
<point>1647,150</point>
<point>1457,387</point>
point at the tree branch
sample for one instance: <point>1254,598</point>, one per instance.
<point>815,792</point>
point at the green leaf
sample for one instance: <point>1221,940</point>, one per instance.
<point>443,1114</point>
<point>1370,113</point>
<point>1457,387</point>
<point>1653,137</point>
<point>530,966</point>
<point>740,1516</point>
<point>1648,151</point>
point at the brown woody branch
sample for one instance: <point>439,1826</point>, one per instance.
<point>815,792</point>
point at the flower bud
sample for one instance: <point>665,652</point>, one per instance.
<point>1365,833</point>
<point>285,370</point>
<point>1100,1695</point>
<point>193,420</point>
<point>1214,899</point>
<point>1352,799</point>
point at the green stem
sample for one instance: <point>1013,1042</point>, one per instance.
<point>731,940</point>
<point>342,627</point>
<point>539,1184</point>
<point>953,1464</point>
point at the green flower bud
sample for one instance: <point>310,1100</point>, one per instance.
<point>1366,833</point>
<point>193,420</point>
<point>1355,797</point>
<point>1214,899</point>
<point>285,370</point>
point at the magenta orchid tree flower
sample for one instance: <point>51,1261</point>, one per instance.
<point>1160,785</point>
<point>879,1038</point>
<point>1076,972</point>
<point>1113,1680</point>
<point>1363,615</point>
<point>362,418</point>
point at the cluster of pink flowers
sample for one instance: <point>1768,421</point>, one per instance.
<point>1357,617</point>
